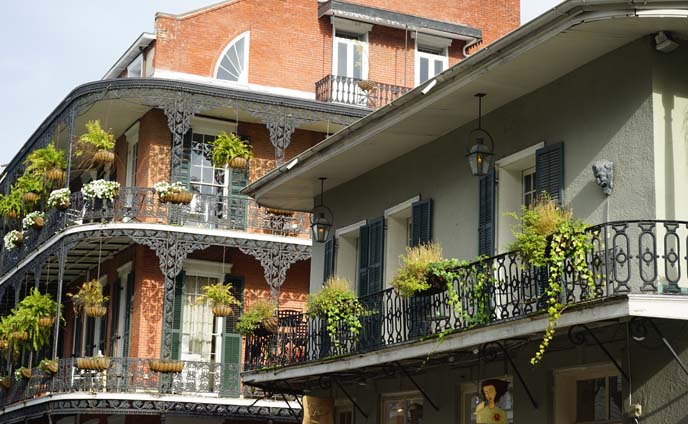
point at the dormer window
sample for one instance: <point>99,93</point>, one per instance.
<point>233,63</point>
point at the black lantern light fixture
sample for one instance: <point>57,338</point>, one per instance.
<point>481,150</point>
<point>321,218</point>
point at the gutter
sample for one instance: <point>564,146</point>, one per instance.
<point>141,43</point>
<point>555,21</point>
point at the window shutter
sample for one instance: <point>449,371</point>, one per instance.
<point>329,259</point>
<point>182,171</point>
<point>102,337</point>
<point>364,237</point>
<point>376,255</point>
<point>129,310</point>
<point>114,316</point>
<point>177,320</point>
<point>231,343</point>
<point>89,342</point>
<point>486,210</point>
<point>78,324</point>
<point>549,171</point>
<point>421,222</point>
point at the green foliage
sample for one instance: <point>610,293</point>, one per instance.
<point>46,364</point>
<point>218,294</point>
<point>337,303</point>
<point>41,160</point>
<point>227,147</point>
<point>548,236</point>
<point>411,278</point>
<point>30,309</point>
<point>11,203</point>
<point>29,183</point>
<point>90,293</point>
<point>250,319</point>
<point>96,138</point>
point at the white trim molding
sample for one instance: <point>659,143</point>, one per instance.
<point>201,268</point>
<point>339,232</point>
<point>401,206</point>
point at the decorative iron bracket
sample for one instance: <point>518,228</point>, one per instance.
<point>415,383</point>
<point>276,260</point>
<point>351,399</point>
<point>579,339</point>
<point>490,354</point>
<point>639,332</point>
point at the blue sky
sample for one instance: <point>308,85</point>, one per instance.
<point>49,47</point>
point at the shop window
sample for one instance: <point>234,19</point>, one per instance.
<point>402,409</point>
<point>590,394</point>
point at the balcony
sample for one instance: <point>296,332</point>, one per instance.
<point>629,257</point>
<point>357,92</point>
<point>142,205</point>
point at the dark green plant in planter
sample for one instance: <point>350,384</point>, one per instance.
<point>547,236</point>
<point>230,150</point>
<point>97,143</point>
<point>49,366</point>
<point>412,277</point>
<point>259,318</point>
<point>337,304</point>
<point>47,161</point>
<point>12,204</point>
<point>30,185</point>
<point>35,308</point>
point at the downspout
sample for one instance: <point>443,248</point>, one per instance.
<point>470,44</point>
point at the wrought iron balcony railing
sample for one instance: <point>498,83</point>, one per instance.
<point>142,205</point>
<point>643,257</point>
<point>128,375</point>
<point>357,92</point>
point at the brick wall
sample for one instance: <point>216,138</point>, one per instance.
<point>153,164</point>
<point>291,48</point>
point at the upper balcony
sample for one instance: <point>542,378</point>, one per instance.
<point>357,92</point>
<point>633,263</point>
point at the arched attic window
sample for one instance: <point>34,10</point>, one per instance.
<point>233,62</point>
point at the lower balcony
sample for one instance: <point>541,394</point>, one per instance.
<point>643,260</point>
<point>357,92</point>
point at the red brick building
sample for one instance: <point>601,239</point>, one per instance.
<point>282,75</point>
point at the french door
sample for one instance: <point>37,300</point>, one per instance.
<point>349,65</point>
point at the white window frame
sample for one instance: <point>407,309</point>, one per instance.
<point>243,78</point>
<point>429,42</point>
<point>134,63</point>
<point>396,236</point>
<point>132,136</point>
<point>347,240</point>
<point>354,28</point>
<point>565,390</point>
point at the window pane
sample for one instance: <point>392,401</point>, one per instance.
<point>615,405</point>
<point>591,400</point>
<point>424,65</point>
<point>358,61</point>
<point>232,63</point>
<point>403,411</point>
<point>439,66</point>
<point>342,59</point>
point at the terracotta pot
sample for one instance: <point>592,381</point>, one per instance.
<point>56,175</point>
<point>64,205</point>
<point>5,382</point>
<point>238,163</point>
<point>180,197</point>
<point>95,311</point>
<point>11,215</point>
<point>104,157</point>
<point>222,310</point>
<point>46,321</point>
<point>26,372</point>
<point>38,223</point>
<point>30,197</point>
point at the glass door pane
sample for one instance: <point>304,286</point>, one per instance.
<point>343,59</point>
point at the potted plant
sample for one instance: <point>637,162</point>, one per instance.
<point>173,193</point>
<point>96,138</point>
<point>49,366</point>
<point>41,309</point>
<point>22,373</point>
<point>90,299</point>
<point>547,235</point>
<point>30,186</point>
<point>100,189</point>
<point>49,162</point>
<point>413,277</point>
<point>13,239</point>
<point>5,382</point>
<point>34,220</point>
<point>165,365</point>
<point>95,363</point>
<point>230,150</point>
<point>60,199</point>
<point>12,204</point>
<point>337,304</point>
<point>258,319</point>
<point>220,297</point>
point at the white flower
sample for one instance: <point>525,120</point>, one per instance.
<point>163,188</point>
<point>12,238</point>
<point>30,219</point>
<point>100,189</point>
<point>59,197</point>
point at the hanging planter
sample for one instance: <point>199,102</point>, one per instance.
<point>49,366</point>
<point>165,365</point>
<point>98,141</point>
<point>60,199</point>
<point>366,85</point>
<point>258,319</point>
<point>90,299</point>
<point>269,325</point>
<point>4,344</point>
<point>220,297</point>
<point>337,305</point>
<point>46,321</point>
<point>279,212</point>
<point>238,163</point>
<point>35,220</point>
<point>100,189</point>
<point>173,193</point>
<point>47,161</point>
<point>95,311</point>
<point>56,175</point>
<point>5,383</point>
<point>30,185</point>
<point>222,310</point>
<point>30,197</point>
<point>13,239</point>
<point>11,215</point>
<point>23,373</point>
<point>104,157</point>
<point>230,150</point>
<point>93,364</point>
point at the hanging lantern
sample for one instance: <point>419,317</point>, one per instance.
<point>321,219</point>
<point>481,150</point>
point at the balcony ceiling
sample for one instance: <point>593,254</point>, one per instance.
<point>520,63</point>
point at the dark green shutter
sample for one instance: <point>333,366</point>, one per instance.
<point>78,323</point>
<point>183,169</point>
<point>114,316</point>
<point>549,171</point>
<point>102,337</point>
<point>376,255</point>
<point>90,327</point>
<point>329,259</point>
<point>231,343</point>
<point>129,311</point>
<point>486,214</point>
<point>177,321</point>
<point>421,222</point>
<point>364,237</point>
